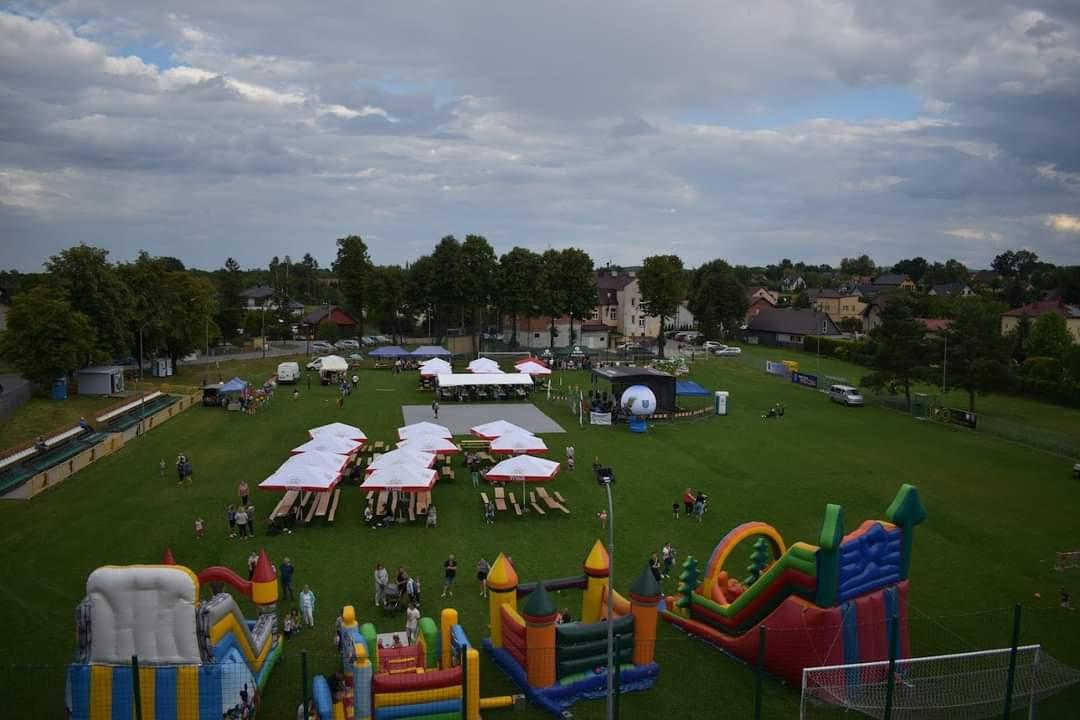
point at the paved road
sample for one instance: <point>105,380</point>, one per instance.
<point>275,350</point>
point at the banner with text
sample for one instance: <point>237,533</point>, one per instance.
<point>804,379</point>
<point>776,368</point>
<point>962,417</point>
<point>596,418</point>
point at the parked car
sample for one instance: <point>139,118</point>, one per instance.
<point>711,345</point>
<point>347,345</point>
<point>367,340</point>
<point>288,372</point>
<point>727,350</point>
<point>628,346</point>
<point>315,364</point>
<point>321,347</point>
<point>381,339</point>
<point>845,395</point>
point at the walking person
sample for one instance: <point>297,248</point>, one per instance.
<point>667,556</point>
<point>161,469</point>
<point>435,408</point>
<point>198,528</point>
<point>570,460</point>
<point>230,515</point>
<point>699,508</point>
<point>285,573</point>
<point>242,491</point>
<point>253,560</point>
<point>241,521</point>
<point>654,566</point>
<point>251,520</point>
<point>412,622</point>
<point>449,574</point>
<point>688,501</point>
<point>187,471</point>
<point>675,509</point>
<point>413,588</point>
<point>307,606</point>
<point>482,570</point>
<point>180,460</point>
<point>402,581</point>
<point>382,580</point>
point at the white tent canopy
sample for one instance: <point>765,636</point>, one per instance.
<point>423,428</point>
<point>466,379</point>
<point>307,471</point>
<point>341,430</point>
<point>326,442</point>
<point>435,366</point>
<point>430,444</point>
<point>524,468</point>
<point>533,367</point>
<point>518,443</point>
<point>484,365</point>
<point>494,429</point>
<point>402,456</point>
<point>333,363</point>
<point>403,478</point>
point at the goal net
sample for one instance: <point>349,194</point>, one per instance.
<point>966,686</point>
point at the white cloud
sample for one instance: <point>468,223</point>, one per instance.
<point>1063,223</point>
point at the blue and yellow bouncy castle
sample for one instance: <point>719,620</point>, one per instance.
<point>558,664</point>
<point>196,660</point>
<point>436,677</point>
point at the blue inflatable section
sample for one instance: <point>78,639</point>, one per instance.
<point>165,692</point>
<point>324,701</point>
<point>211,703</point>
<point>79,688</point>
<point>850,634</point>
<point>418,710</point>
<point>870,561</point>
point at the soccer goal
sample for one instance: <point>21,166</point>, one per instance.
<point>964,686</point>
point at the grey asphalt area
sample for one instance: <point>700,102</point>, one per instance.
<point>460,417</point>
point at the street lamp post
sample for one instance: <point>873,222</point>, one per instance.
<point>262,316</point>
<point>606,477</point>
<point>142,391</point>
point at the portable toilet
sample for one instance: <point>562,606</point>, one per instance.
<point>720,400</point>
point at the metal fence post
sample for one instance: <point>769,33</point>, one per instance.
<point>618,678</point>
<point>890,686</point>
<point>1012,662</point>
<point>759,672</point>
<point>464,664</point>
<point>303,682</point>
<point>136,691</point>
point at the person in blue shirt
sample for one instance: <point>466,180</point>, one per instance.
<point>285,572</point>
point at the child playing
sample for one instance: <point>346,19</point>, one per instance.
<point>198,528</point>
<point>412,587</point>
<point>412,621</point>
<point>230,513</point>
<point>675,510</point>
<point>603,518</point>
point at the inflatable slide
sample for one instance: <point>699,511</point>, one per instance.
<point>195,660</point>
<point>825,604</point>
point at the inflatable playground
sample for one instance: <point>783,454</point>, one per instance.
<point>835,600</point>
<point>556,665</point>
<point>436,677</point>
<point>196,660</point>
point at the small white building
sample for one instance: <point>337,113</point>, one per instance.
<point>100,380</point>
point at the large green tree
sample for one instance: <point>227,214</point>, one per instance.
<point>84,276</point>
<point>390,298</point>
<point>978,353</point>
<point>449,284</point>
<point>861,265</point>
<point>46,338</point>
<point>481,269</point>
<point>716,298</point>
<point>551,298</point>
<point>230,284</point>
<point>190,303</point>
<point>901,349</point>
<point>352,265</point>
<point>662,281</point>
<point>578,279</point>
<point>420,293</point>
<point>144,279</point>
<point>518,273</point>
<point>1049,337</point>
<point>915,268</point>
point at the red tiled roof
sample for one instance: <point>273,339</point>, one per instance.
<point>1037,309</point>
<point>935,324</point>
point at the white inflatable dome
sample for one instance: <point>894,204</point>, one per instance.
<point>639,401</point>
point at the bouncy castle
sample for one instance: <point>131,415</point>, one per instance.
<point>195,660</point>
<point>558,664</point>
<point>838,598</point>
<point>435,677</point>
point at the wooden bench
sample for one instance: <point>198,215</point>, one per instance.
<point>311,511</point>
<point>550,501</point>
<point>323,505</point>
<point>562,502</point>
<point>369,496</point>
<point>484,499</point>
<point>284,505</point>
<point>333,505</point>
<point>500,498</point>
<point>470,445</point>
<point>514,502</point>
<point>532,501</point>
<point>378,446</point>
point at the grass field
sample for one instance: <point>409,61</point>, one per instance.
<point>997,513</point>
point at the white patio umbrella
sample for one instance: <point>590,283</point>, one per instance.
<point>423,428</point>
<point>306,471</point>
<point>341,430</point>
<point>484,365</point>
<point>400,478</point>
<point>430,444</point>
<point>325,442</point>
<point>533,367</point>
<point>517,443</point>
<point>492,430</point>
<point>435,366</point>
<point>402,456</point>
<point>527,468</point>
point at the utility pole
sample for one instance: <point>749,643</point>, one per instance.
<point>606,478</point>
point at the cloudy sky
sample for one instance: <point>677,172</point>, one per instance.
<point>809,129</point>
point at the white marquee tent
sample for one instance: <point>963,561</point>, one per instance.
<point>329,443</point>
<point>524,468</point>
<point>401,478</point>
<point>534,368</point>
<point>430,444</point>
<point>423,428</point>
<point>341,430</point>
<point>484,365</point>
<point>475,379</point>
<point>517,443</point>
<point>402,456</point>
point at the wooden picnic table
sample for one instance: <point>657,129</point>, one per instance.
<point>514,502</point>
<point>484,499</point>
<point>334,504</point>
<point>500,498</point>
<point>323,505</point>
<point>380,506</point>
<point>285,504</point>
<point>379,445</point>
<point>423,499</point>
<point>551,502</point>
<point>532,501</point>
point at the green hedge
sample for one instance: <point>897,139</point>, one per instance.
<point>856,351</point>
<point>1059,392</point>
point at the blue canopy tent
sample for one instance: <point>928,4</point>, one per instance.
<point>390,351</point>
<point>235,385</point>
<point>691,389</point>
<point>431,351</point>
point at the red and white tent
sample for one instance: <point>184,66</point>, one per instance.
<point>517,443</point>
<point>423,428</point>
<point>341,430</point>
<point>435,366</point>
<point>483,365</point>
<point>532,367</point>
<point>402,456</point>
<point>492,430</point>
<point>401,478</point>
<point>325,442</point>
<point>524,468</point>
<point>307,471</point>
<point>430,444</point>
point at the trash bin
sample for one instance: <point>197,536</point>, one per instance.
<point>720,400</point>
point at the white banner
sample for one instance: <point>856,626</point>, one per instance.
<point>596,418</point>
<point>775,368</point>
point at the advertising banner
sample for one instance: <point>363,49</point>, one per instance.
<point>776,368</point>
<point>962,417</point>
<point>804,379</point>
<point>596,418</point>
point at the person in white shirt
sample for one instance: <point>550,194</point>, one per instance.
<point>382,579</point>
<point>307,606</point>
<point>412,622</point>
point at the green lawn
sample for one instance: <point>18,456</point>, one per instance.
<point>997,512</point>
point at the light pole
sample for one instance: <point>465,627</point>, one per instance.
<point>262,316</point>
<point>606,477</point>
<point>142,391</point>
<point>945,366</point>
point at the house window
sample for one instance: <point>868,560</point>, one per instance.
<point>633,319</point>
<point>536,336</point>
<point>642,321</point>
<point>824,327</point>
<point>595,315</point>
<point>613,314</point>
<point>633,302</point>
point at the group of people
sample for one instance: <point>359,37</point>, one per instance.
<point>183,469</point>
<point>389,596</point>
<point>776,411</point>
<point>694,504</point>
<point>660,564</point>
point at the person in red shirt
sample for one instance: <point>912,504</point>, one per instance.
<point>688,499</point>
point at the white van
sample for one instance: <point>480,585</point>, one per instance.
<point>288,372</point>
<point>845,395</point>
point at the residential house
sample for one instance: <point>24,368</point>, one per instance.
<point>683,318</point>
<point>1035,310</point>
<point>5,302</point>
<point>788,327</point>
<point>934,325</point>
<point>620,307</point>
<point>839,305</point>
<point>951,290</point>
<point>260,297</point>
<point>894,280</point>
<point>345,322</point>
<point>535,332</point>
<point>792,284</point>
<point>756,307</point>
<point>763,293</point>
<point>871,315</point>
<point>985,278</point>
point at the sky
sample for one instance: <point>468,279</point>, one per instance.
<point>805,129</point>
